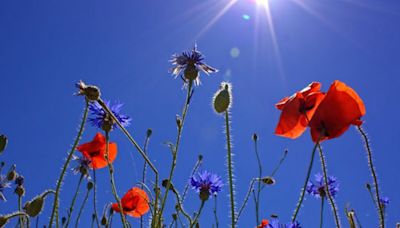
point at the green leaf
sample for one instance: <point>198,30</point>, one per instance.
<point>3,143</point>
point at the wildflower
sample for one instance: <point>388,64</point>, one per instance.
<point>340,108</point>
<point>102,120</point>
<point>91,92</point>
<point>297,110</point>
<point>83,166</point>
<point>190,63</point>
<point>318,189</point>
<point>19,180</point>
<point>135,203</point>
<point>95,151</point>
<point>384,201</point>
<point>3,185</point>
<point>274,223</point>
<point>264,223</point>
<point>206,184</point>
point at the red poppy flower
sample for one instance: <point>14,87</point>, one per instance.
<point>135,203</point>
<point>264,223</point>
<point>340,108</point>
<point>96,149</point>
<point>297,110</point>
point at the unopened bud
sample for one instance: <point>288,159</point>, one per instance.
<point>149,132</point>
<point>255,137</point>
<point>165,182</point>
<point>200,158</point>
<point>178,121</point>
<point>19,180</point>
<point>104,221</point>
<point>89,185</point>
<point>174,216</point>
<point>35,206</point>
<point>20,190</point>
<point>3,221</point>
<point>12,174</point>
<point>368,186</point>
<point>223,99</point>
<point>3,143</point>
<point>268,180</point>
<point>63,220</point>
<point>91,92</point>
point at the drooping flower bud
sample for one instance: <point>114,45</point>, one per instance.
<point>104,221</point>
<point>89,185</point>
<point>165,182</point>
<point>91,92</point>
<point>35,206</point>
<point>12,174</point>
<point>268,180</point>
<point>222,100</point>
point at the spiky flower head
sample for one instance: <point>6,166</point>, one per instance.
<point>206,184</point>
<point>222,100</point>
<point>318,189</point>
<point>91,92</point>
<point>101,119</point>
<point>188,65</point>
<point>82,167</point>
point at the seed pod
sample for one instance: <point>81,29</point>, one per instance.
<point>35,206</point>
<point>223,98</point>
<point>268,180</point>
<point>91,92</point>
<point>191,73</point>
<point>3,221</point>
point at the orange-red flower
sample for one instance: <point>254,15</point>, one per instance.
<point>264,223</point>
<point>135,203</point>
<point>96,150</point>
<point>340,108</point>
<point>297,110</point>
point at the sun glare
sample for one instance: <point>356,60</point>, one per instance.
<point>262,2</point>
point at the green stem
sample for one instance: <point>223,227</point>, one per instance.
<point>246,198</point>
<point>65,167</point>
<point>176,147</point>
<point>194,170</point>
<point>71,208</point>
<point>321,216</point>
<point>303,190</point>
<point>328,193</point>
<point>376,186</point>
<point>180,205</point>
<point>82,206</point>
<point>198,214</point>
<point>136,145</point>
<point>146,142</point>
<point>230,168</point>
<point>280,163</point>
<point>113,187</point>
<point>215,212</point>
<point>257,199</point>
<point>96,217</point>
<point>21,219</point>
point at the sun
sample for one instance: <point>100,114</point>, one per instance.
<point>262,2</point>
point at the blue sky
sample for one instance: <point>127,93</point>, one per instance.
<point>124,48</point>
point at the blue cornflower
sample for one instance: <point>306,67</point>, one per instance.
<point>190,62</point>
<point>100,116</point>
<point>274,223</point>
<point>384,201</point>
<point>82,167</point>
<point>206,183</point>
<point>4,183</point>
<point>318,189</point>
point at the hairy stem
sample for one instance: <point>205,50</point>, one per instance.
<point>96,217</point>
<point>328,193</point>
<point>374,176</point>
<point>230,168</point>
<point>65,167</point>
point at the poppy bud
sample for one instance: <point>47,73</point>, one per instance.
<point>223,99</point>
<point>149,132</point>
<point>178,121</point>
<point>191,73</point>
<point>165,184</point>
<point>35,206</point>
<point>104,221</point>
<point>200,157</point>
<point>204,194</point>
<point>63,220</point>
<point>3,221</point>
<point>268,180</point>
<point>20,190</point>
<point>89,185</point>
<point>368,186</point>
<point>91,92</point>
<point>3,143</point>
<point>11,175</point>
<point>255,137</point>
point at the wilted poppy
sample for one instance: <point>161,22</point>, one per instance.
<point>135,203</point>
<point>297,110</point>
<point>340,108</point>
<point>96,150</point>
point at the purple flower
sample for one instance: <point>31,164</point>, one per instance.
<point>190,63</point>
<point>83,166</point>
<point>4,183</point>
<point>274,223</point>
<point>384,201</point>
<point>206,182</point>
<point>318,189</point>
<point>100,115</point>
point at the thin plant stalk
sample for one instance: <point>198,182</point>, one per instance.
<point>303,190</point>
<point>176,148</point>
<point>54,211</point>
<point>96,217</point>
<point>180,206</point>
<point>82,206</point>
<point>194,170</point>
<point>146,142</point>
<point>215,212</point>
<point>246,198</point>
<point>136,145</point>
<point>280,163</point>
<point>257,197</point>
<point>198,214</point>
<point>21,219</point>
<point>328,193</point>
<point>321,216</point>
<point>71,208</point>
<point>374,176</point>
<point>230,168</point>
<point>112,181</point>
